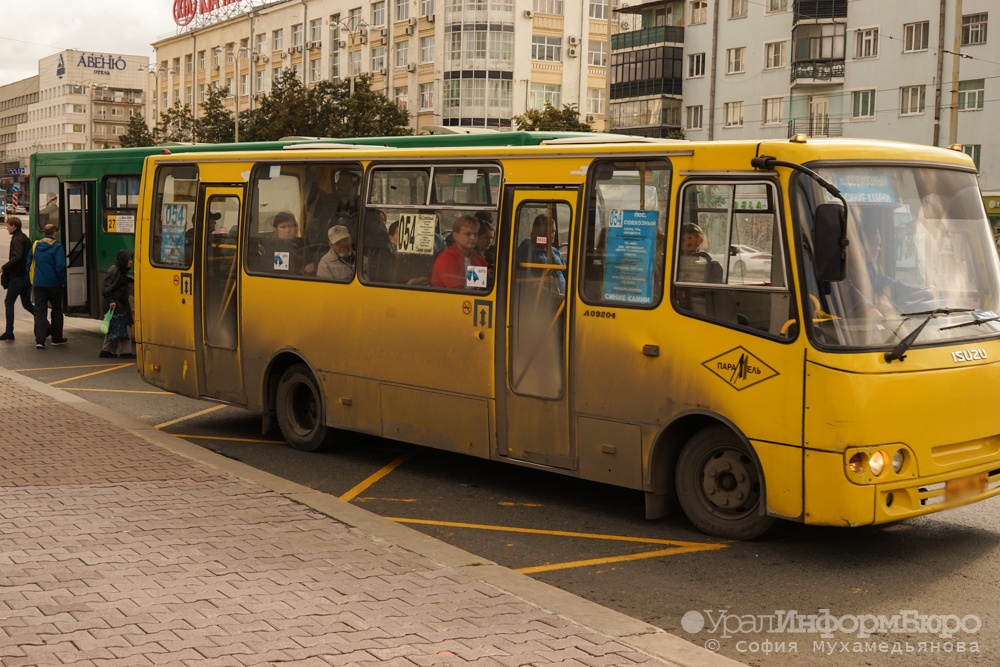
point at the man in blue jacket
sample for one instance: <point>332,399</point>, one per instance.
<point>47,269</point>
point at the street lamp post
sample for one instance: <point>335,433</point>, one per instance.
<point>352,31</point>
<point>155,72</point>
<point>238,54</point>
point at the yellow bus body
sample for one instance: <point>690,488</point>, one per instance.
<point>425,366</point>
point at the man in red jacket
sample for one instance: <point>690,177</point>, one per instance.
<point>454,266</point>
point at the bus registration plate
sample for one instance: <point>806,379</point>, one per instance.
<point>964,487</point>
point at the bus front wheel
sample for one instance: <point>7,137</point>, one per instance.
<point>299,407</point>
<point>719,487</point>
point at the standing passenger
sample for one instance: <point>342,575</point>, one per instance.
<point>20,285</point>
<point>118,341</point>
<point>47,272</point>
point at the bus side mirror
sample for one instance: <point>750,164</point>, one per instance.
<point>830,242</point>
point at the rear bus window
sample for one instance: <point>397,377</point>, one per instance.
<point>172,242</point>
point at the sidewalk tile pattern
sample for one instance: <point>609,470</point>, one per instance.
<point>114,551</point>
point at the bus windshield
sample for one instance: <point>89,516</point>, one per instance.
<point>919,256</point>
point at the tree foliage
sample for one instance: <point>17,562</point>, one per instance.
<point>215,123</point>
<point>137,134</point>
<point>552,119</point>
<point>176,124</point>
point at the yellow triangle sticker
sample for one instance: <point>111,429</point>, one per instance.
<point>740,369</point>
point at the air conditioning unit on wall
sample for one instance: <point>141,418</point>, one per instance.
<point>572,52</point>
<point>528,13</point>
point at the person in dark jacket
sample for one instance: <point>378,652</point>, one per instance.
<point>47,272</point>
<point>118,340</point>
<point>19,286</point>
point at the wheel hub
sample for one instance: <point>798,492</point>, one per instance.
<point>728,482</point>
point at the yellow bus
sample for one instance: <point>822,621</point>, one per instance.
<point>802,329</point>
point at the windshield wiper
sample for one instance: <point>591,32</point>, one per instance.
<point>978,317</point>
<point>899,352</point>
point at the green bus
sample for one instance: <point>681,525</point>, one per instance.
<point>92,195</point>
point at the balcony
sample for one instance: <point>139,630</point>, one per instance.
<point>815,127</point>
<point>818,71</point>
<point>809,10</point>
<point>661,34</point>
<point>629,89</point>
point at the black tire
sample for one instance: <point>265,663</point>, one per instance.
<point>719,487</point>
<point>299,407</point>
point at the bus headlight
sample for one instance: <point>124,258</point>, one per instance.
<point>857,463</point>
<point>876,463</point>
<point>898,458</point>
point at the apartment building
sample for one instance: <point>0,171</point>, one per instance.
<point>461,63</point>
<point>920,71</point>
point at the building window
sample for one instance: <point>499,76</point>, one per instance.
<point>974,29</point>
<point>738,9</point>
<point>315,70</point>
<point>599,9</point>
<point>699,12</point>
<point>693,117</point>
<point>427,49</point>
<point>378,13</point>
<point>772,110</point>
<point>973,151</point>
<point>297,33</point>
<point>354,18</point>
<point>736,60</point>
<point>866,43</point>
<point>401,52</point>
<point>863,104</point>
<point>316,30</point>
<point>260,42</point>
<point>734,114</point>
<point>597,53</point>
<point>774,55</point>
<point>278,39</point>
<point>426,96</point>
<point>595,100</point>
<point>426,9</point>
<point>402,10</point>
<point>696,65</point>
<point>201,60</point>
<point>400,96</point>
<point>915,36</point>
<point>244,84</point>
<point>971,94</point>
<point>546,48</point>
<point>259,81</point>
<point>548,6</point>
<point>188,64</point>
<point>911,100</point>
<point>378,58</point>
<point>540,93</point>
<point>777,5</point>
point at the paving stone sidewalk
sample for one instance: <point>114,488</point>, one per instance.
<point>120,545</point>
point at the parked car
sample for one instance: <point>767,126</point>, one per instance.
<point>746,261</point>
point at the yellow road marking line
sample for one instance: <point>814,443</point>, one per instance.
<point>62,368</point>
<point>191,416</point>
<point>118,391</point>
<point>87,375</point>
<point>364,484</point>
<point>195,436</point>
<point>681,547</point>
<point>617,559</point>
<point>542,531</point>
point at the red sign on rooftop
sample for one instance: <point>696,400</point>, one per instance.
<point>186,10</point>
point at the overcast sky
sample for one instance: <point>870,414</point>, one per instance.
<point>39,28</point>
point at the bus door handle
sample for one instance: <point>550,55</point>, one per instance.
<point>651,350</point>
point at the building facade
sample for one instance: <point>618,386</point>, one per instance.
<point>449,62</point>
<point>921,71</point>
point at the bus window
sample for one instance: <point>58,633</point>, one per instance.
<point>48,202</point>
<point>174,199</point>
<point>624,233</point>
<point>726,239</point>
<point>120,198</point>
<point>223,221</point>
<point>464,185</point>
<point>332,199</point>
<point>275,243</point>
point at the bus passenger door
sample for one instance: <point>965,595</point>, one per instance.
<point>78,209</point>
<point>536,403</point>
<point>217,292</point>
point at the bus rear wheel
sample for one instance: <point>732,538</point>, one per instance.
<point>299,407</point>
<point>719,487</point>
